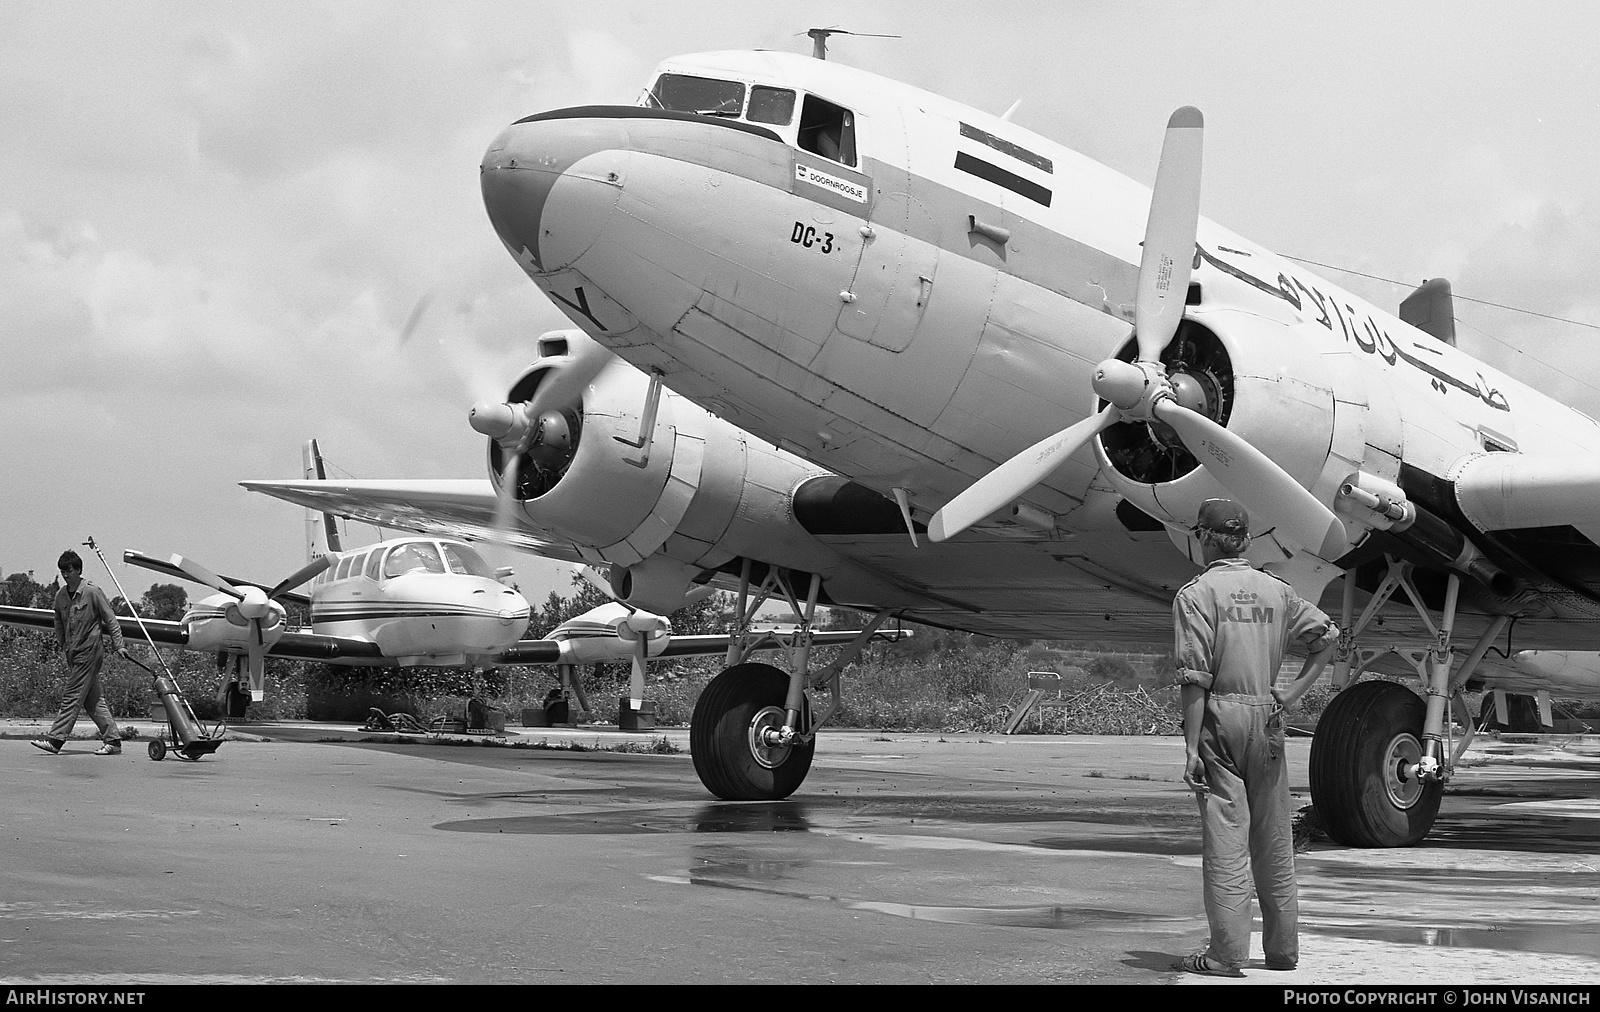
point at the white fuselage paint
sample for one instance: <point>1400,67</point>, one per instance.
<point>413,617</point>
<point>915,340</point>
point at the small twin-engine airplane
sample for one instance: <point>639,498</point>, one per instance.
<point>427,601</point>
<point>902,355</point>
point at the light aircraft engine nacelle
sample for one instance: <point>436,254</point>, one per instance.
<point>1259,378</point>
<point>218,623</point>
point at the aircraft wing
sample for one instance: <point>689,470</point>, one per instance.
<point>297,645</point>
<point>692,646</point>
<point>1507,491</point>
<point>466,508</point>
<point>532,652</point>
<point>163,632</point>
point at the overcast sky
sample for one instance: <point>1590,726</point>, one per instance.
<point>216,219</point>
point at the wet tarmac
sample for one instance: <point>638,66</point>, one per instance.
<point>309,853</point>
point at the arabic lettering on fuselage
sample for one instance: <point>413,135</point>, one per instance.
<point>1360,329</point>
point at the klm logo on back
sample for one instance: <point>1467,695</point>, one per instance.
<point>1244,608</point>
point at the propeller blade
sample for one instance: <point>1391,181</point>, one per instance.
<point>1256,480</point>
<point>1169,235</point>
<point>1016,476</point>
<point>301,575</point>
<point>200,574</point>
<point>563,385</point>
<point>255,656</point>
<point>597,580</point>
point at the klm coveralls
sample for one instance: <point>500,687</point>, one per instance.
<point>79,619</point>
<point>1232,625</point>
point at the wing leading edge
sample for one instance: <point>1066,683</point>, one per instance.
<point>467,509</point>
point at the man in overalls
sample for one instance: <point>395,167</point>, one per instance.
<point>82,612</point>
<point>1232,625</point>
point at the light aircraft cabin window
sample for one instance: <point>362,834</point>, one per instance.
<point>462,559</point>
<point>344,568</point>
<point>828,130</point>
<point>413,558</point>
<point>373,560</point>
<point>771,105</point>
<point>704,95</point>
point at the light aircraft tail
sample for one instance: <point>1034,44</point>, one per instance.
<point>322,529</point>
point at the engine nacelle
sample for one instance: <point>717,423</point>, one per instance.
<point>1242,371</point>
<point>651,488</point>
<point>658,584</point>
<point>216,624</point>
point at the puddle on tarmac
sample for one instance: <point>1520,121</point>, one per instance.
<point>755,874</point>
<point>1188,843</point>
<point>1515,829</point>
<point>1570,939</point>
<point>781,817</point>
<point>1018,917</point>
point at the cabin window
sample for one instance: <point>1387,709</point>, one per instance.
<point>771,105</point>
<point>344,568</point>
<point>464,560</point>
<point>704,95</point>
<point>373,561</point>
<point>414,558</point>
<point>828,130</point>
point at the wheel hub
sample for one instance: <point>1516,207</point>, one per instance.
<point>765,736</point>
<point>1401,770</point>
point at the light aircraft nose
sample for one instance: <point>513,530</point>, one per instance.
<point>538,155</point>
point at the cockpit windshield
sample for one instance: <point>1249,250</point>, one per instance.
<point>704,95</point>
<point>771,105</point>
<point>462,559</point>
<point>416,557</point>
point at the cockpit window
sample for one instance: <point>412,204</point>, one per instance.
<point>828,130</point>
<point>413,558</point>
<point>464,560</point>
<point>704,95</point>
<point>373,563</point>
<point>771,105</point>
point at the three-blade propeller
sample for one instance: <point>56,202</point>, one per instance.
<point>254,604</point>
<point>1141,391</point>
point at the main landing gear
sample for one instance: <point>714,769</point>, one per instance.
<point>1382,755</point>
<point>753,734</point>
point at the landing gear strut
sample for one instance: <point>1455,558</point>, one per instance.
<point>753,734</point>
<point>1381,756</point>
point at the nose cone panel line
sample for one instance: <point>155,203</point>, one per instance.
<point>526,160</point>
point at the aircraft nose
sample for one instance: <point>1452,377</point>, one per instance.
<point>549,181</point>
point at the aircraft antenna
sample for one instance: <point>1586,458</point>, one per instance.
<point>819,39</point>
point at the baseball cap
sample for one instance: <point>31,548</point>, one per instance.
<point>1224,516</point>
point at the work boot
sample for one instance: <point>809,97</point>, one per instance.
<point>109,748</point>
<point>46,745</point>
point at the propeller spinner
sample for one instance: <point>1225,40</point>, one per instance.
<point>1141,391</point>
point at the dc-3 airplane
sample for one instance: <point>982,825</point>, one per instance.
<point>409,601</point>
<point>901,355</point>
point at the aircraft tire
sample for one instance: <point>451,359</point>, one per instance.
<point>721,744</point>
<point>1362,739</point>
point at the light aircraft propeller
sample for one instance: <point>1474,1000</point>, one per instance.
<point>1142,391</point>
<point>253,606</point>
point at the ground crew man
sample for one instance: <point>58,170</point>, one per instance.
<point>82,612</point>
<point>1232,625</point>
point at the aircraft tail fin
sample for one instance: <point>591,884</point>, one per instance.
<point>322,529</point>
<point>1431,310</point>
